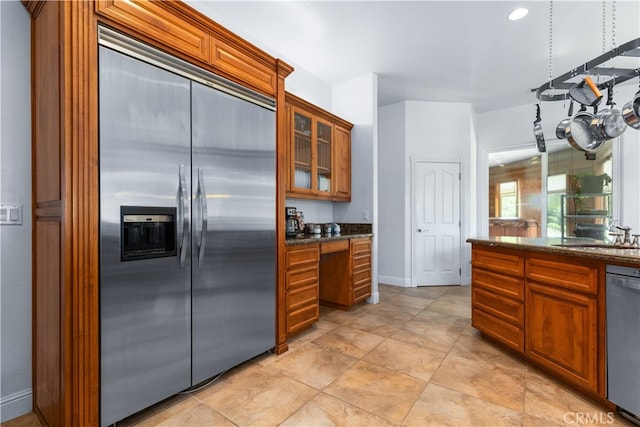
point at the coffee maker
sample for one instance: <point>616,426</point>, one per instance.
<point>292,222</point>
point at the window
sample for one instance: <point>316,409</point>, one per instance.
<point>556,187</point>
<point>508,199</point>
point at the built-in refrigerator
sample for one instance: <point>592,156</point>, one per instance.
<point>187,225</point>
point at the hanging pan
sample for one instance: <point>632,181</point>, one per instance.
<point>537,131</point>
<point>608,123</point>
<point>631,110</point>
<point>562,126</point>
<point>589,95</point>
<point>579,134</point>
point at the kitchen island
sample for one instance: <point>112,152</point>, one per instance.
<point>544,299</point>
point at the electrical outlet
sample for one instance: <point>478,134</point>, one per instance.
<point>365,215</point>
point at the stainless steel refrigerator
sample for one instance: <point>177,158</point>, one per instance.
<point>187,226</point>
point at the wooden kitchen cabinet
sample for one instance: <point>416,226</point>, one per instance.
<point>190,36</point>
<point>562,318</point>
<point>345,273</point>
<point>360,269</point>
<point>548,307</point>
<point>318,152</point>
<point>497,297</point>
<point>301,282</point>
<point>342,168</point>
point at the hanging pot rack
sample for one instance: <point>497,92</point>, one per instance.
<point>608,77</point>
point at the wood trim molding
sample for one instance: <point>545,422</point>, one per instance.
<point>81,215</point>
<point>281,169</point>
<point>316,111</point>
<point>33,7</point>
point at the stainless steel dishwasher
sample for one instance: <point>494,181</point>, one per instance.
<point>623,339</point>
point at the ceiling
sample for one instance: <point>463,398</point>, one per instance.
<point>442,51</point>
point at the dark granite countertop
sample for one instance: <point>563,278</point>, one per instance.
<point>578,247</point>
<point>303,239</point>
<point>347,231</point>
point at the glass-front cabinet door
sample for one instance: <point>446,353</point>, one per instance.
<point>302,148</point>
<point>324,136</point>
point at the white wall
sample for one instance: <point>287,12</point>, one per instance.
<point>15,188</point>
<point>356,101</point>
<point>431,131</point>
<point>392,194</point>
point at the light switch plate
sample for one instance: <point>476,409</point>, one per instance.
<point>10,215</point>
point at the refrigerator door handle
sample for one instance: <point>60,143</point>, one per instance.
<point>202,193</point>
<point>182,216</point>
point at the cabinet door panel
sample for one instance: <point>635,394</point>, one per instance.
<point>153,20</point>
<point>324,162</point>
<point>236,63</point>
<point>562,333</point>
<point>301,152</point>
<point>342,162</point>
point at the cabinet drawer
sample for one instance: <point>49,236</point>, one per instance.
<point>564,273</point>
<point>301,278</point>
<point>361,277</point>
<point>362,292</point>
<point>498,329</point>
<point>328,247</point>
<point>500,260</point>
<point>361,262</point>
<point>301,319</point>
<point>509,286</point>
<point>361,247</point>
<point>507,309</point>
<point>299,256</point>
<point>301,297</point>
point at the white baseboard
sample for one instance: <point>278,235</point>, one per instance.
<point>15,405</point>
<point>395,281</point>
<point>374,298</point>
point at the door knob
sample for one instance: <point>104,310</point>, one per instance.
<point>419,230</point>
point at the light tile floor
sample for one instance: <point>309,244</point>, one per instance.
<point>412,360</point>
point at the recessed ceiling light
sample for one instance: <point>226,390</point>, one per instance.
<point>519,13</point>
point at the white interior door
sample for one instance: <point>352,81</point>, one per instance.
<point>436,221</point>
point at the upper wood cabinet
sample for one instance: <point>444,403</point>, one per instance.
<point>318,154</point>
<point>342,171</point>
<point>189,35</point>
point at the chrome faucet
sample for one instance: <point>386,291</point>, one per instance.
<point>627,239</point>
